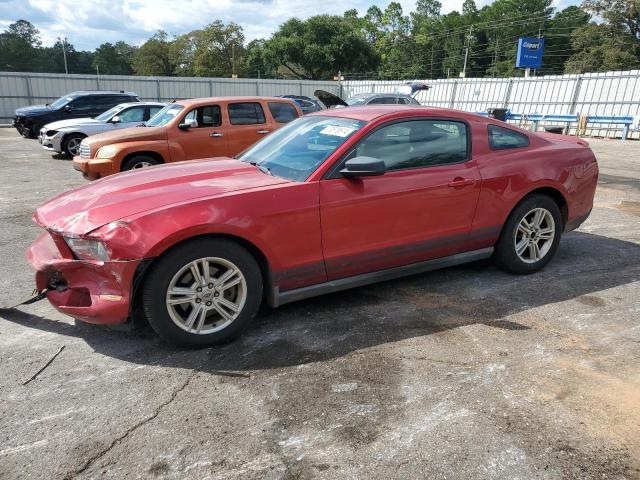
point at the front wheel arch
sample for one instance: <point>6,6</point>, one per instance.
<point>144,268</point>
<point>155,155</point>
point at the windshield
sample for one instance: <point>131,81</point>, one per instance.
<point>103,117</point>
<point>297,149</point>
<point>61,102</point>
<point>356,101</point>
<point>164,116</point>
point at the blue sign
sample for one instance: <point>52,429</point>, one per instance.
<point>529,52</point>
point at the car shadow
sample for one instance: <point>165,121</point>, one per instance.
<point>335,325</point>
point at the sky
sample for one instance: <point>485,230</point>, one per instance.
<point>88,23</point>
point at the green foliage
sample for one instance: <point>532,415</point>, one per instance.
<point>320,46</point>
<point>153,57</point>
<point>113,59</point>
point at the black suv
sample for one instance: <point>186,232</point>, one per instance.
<point>29,120</point>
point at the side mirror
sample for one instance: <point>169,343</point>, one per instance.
<point>68,108</point>
<point>363,167</point>
<point>189,123</point>
<point>115,119</point>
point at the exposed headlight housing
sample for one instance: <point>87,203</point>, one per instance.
<point>88,249</point>
<point>107,152</point>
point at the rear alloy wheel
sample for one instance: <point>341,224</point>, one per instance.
<point>139,161</point>
<point>530,236</point>
<point>72,143</point>
<point>202,293</point>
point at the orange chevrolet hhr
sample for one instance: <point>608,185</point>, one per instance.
<point>185,130</point>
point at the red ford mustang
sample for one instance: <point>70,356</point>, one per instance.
<point>333,200</point>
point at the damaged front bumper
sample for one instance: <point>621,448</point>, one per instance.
<point>88,290</point>
<point>92,168</point>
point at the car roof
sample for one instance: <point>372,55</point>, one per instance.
<point>198,101</point>
<point>100,92</point>
<point>369,112</point>
<point>371,94</point>
<point>137,104</point>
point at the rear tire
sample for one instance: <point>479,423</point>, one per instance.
<point>139,161</point>
<point>202,293</point>
<point>530,236</point>
<point>71,144</point>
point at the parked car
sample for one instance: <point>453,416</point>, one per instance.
<point>186,130</point>
<point>404,95</point>
<point>306,104</point>
<point>333,200</point>
<point>66,135</point>
<point>29,120</point>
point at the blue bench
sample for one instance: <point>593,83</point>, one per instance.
<point>625,121</point>
<point>536,118</point>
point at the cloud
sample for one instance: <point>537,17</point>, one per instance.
<point>88,24</point>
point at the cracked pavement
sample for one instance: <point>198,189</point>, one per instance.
<point>466,372</point>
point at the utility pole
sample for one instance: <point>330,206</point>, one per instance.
<point>63,42</point>
<point>233,60</point>
<point>431,73</point>
<point>466,53</point>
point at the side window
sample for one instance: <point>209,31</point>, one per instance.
<point>385,101</point>
<point>416,144</point>
<point>153,111</point>
<point>246,113</point>
<point>282,112</point>
<point>503,138</point>
<point>107,101</point>
<point>82,103</point>
<point>133,114</point>
<point>207,116</point>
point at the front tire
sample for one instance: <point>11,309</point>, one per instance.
<point>139,161</point>
<point>202,293</point>
<point>531,235</point>
<point>71,145</point>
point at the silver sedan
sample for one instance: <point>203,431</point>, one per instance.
<point>65,136</point>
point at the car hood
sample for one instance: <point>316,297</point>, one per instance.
<point>329,100</point>
<point>131,134</point>
<point>32,110</point>
<point>117,197</point>
<point>70,123</point>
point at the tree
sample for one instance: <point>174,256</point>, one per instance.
<point>152,57</point>
<point>113,59</point>
<point>19,45</point>
<point>319,47</point>
<point>256,61</point>
<point>601,48</point>
<point>622,15</point>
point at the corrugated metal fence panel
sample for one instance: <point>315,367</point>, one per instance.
<point>610,93</point>
<point>20,89</point>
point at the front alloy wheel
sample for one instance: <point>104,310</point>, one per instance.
<point>206,295</point>
<point>202,292</point>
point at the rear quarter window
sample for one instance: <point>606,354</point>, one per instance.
<point>282,112</point>
<point>501,138</point>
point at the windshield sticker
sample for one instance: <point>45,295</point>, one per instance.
<point>337,131</point>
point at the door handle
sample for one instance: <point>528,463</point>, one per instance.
<point>460,182</point>
<point>262,132</point>
<point>215,134</point>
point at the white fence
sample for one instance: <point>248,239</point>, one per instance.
<point>602,94</point>
<point>610,93</point>
<point>20,89</point>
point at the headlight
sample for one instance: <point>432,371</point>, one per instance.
<point>107,152</point>
<point>50,133</point>
<point>87,249</point>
